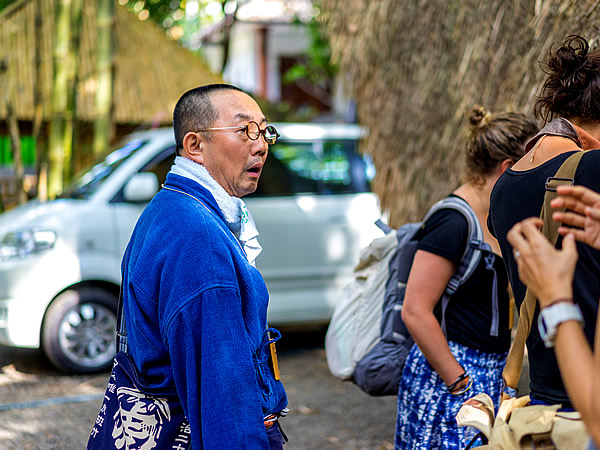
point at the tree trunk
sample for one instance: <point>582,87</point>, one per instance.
<point>41,156</point>
<point>59,98</point>
<point>15,145</point>
<point>227,24</point>
<point>71,132</point>
<point>13,126</point>
<point>104,64</point>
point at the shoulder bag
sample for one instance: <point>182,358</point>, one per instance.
<point>134,415</point>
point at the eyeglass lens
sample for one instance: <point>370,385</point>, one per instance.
<point>270,133</point>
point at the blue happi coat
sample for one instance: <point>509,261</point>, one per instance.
<point>196,315</point>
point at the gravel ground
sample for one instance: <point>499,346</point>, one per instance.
<point>325,413</point>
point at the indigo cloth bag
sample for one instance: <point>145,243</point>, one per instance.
<point>133,415</point>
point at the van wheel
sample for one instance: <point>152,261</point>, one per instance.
<point>78,334</point>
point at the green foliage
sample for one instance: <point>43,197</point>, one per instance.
<point>5,3</point>
<point>178,18</point>
<point>318,67</point>
<point>165,13</point>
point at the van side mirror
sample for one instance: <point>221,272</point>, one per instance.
<point>141,187</point>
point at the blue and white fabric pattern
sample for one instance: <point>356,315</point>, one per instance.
<point>427,411</point>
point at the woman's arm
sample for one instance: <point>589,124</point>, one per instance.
<point>427,281</point>
<point>549,272</point>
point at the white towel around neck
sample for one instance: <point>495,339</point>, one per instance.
<point>234,209</point>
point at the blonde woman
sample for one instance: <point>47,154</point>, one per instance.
<point>443,370</point>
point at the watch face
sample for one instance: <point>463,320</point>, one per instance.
<point>552,316</point>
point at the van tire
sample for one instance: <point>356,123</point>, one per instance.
<point>78,333</point>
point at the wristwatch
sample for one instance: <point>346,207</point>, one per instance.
<point>552,316</point>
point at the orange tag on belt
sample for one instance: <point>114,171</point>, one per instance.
<point>274,361</point>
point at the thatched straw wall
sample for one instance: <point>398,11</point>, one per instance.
<point>151,72</point>
<point>416,66</point>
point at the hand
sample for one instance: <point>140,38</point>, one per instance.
<point>582,216</point>
<point>548,272</point>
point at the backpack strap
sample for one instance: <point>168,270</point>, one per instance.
<point>514,361</point>
<point>470,258</point>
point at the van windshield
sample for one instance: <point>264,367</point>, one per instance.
<point>92,178</point>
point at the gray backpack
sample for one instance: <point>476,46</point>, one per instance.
<point>367,341</point>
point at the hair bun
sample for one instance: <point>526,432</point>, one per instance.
<point>478,117</point>
<point>570,57</point>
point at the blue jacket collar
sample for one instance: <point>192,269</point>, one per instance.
<point>195,189</point>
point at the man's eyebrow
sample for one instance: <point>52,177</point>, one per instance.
<point>248,118</point>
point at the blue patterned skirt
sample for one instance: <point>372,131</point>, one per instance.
<point>427,411</point>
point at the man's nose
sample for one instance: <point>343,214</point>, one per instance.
<point>259,146</point>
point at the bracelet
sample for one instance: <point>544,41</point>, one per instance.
<point>461,377</point>
<point>560,300</point>
<point>465,389</point>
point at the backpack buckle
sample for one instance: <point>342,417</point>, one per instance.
<point>475,243</point>
<point>560,181</point>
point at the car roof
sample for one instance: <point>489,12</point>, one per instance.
<point>316,131</point>
<point>290,131</point>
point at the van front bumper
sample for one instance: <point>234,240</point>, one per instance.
<point>20,323</point>
<point>27,286</point>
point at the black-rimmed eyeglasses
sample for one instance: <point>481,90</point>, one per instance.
<point>253,132</point>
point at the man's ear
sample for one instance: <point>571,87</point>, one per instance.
<point>193,146</point>
<point>507,163</point>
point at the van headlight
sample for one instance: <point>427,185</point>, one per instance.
<point>26,241</point>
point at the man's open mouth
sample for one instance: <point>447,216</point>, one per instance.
<point>255,169</point>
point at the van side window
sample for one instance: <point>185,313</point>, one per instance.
<point>85,185</point>
<point>318,167</point>
<point>159,165</point>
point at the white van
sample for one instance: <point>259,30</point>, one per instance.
<point>60,260</point>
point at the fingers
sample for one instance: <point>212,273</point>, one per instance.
<point>577,233</point>
<point>528,242</point>
<point>521,235</point>
<point>568,202</point>
<point>569,249</point>
<point>594,213</point>
<point>575,198</point>
<point>548,272</point>
<point>569,218</point>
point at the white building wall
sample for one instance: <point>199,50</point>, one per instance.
<point>283,40</point>
<point>242,68</point>
<point>213,54</point>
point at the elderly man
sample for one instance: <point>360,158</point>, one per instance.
<point>195,306</point>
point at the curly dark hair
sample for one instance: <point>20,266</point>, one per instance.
<point>494,138</point>
<point>572,85</point>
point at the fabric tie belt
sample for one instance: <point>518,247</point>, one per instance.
<point>272,418</point>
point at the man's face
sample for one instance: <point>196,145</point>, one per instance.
<point>232,159</point>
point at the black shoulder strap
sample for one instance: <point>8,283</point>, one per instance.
<point>470,258</point>
<point>121,325</point>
